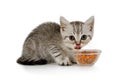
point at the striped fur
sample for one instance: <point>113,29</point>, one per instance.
<point>77,27</point>
<point>50,42</point>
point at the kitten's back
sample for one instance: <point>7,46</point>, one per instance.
<point>46,31</point>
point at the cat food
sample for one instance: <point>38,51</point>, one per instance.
<point>87,57</point>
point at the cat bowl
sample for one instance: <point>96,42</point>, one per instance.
<point>87,57</point>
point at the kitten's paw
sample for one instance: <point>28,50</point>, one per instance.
<point>65,62</point>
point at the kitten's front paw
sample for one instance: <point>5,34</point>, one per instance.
<point>65,62</point>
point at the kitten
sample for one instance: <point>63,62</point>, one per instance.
<point>51,42</point>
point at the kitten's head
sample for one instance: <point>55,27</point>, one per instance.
<point>76,34</point>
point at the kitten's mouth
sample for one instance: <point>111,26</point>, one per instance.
<point>77,46</point>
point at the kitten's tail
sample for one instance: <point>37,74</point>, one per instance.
<point>24,61</point>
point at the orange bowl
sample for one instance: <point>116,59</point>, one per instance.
<point>87,57</point>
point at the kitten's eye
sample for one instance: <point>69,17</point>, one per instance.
<point>84,37</point>
<point>71,37</point>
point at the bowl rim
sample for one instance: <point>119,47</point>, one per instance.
<point>90,50</point>
<point>94,50</point>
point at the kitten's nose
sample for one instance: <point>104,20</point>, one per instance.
<point>77,46</point>
<point>77,42</point>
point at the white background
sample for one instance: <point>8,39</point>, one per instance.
<point>19,17</point>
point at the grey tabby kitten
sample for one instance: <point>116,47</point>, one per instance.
<point>51,42</point>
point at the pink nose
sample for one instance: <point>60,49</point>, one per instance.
<point>77,46</point>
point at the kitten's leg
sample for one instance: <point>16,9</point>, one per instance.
<point>72,58</point>
<point>60,56</point>
<point>30,56</point>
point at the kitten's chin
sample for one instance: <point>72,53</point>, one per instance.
<point>76,50</point>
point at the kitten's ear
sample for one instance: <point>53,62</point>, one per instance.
<point>63,22</point>
<point>90,23</point>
